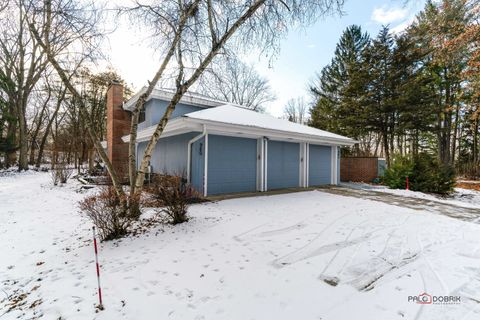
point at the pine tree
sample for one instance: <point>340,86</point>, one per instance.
<point>435,28</point>
<point>339,86</point>
<point>380,106</point>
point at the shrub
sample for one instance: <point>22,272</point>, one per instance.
<point>107,213</point>
<point>395,175</point>
<point>425,174</point>
<point>173,194</point>
<point>60,173</point>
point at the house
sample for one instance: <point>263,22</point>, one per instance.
<point>224,148</point>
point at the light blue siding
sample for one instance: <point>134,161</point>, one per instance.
<point>154,110</point>
<point>320,164</point>
<point>198,164</point>
<point>170,154</point>
<point>283,165</point>
<point>232,164</point>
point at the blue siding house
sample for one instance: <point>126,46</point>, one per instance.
<point>223,148</point>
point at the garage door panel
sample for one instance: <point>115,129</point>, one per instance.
<point>320,165</point>
<point>283,165</point>
<point>232,164</point>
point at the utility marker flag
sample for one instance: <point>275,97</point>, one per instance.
<point>100,305</point>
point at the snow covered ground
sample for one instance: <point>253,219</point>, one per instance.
<point>460,197</point>
<point>308,255</point>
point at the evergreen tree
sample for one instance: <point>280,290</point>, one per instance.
<point>338,87</point>
<point>380,105</point>
<point>434,29</point>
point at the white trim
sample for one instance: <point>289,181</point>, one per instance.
<point>184,124</point>
<point>189,152</point>
<point>304,164</point>
<point>272,134</point>
<point>307,173</point>
<point>174,127</point>
<point>333,171</point>
<point>301,161</point>
<point>260,165</point>
<point>205,170</point>
<point>167,95</point>
<point>265,178</point>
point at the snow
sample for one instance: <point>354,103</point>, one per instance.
<point>306,255</point>
<point>240,116</point>
<point>460,197</point>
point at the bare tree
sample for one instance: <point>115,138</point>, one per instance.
<point>296,110</point>
<point>59,94</point>
<point>233,81</point>
<point>68,32</point>
<point>24,64</point>
<point>191,33</point>
<point>195,33</point>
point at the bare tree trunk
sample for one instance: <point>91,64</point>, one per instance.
<point>11,156</point>
<point>182,88</point>
<point>455,134</point>
<point>66,81</point>
<point>475,142</point>
<point>48,127</point>
<point>386,148</point>
<point>132,165</point>
<point>37,128</point>
<point>23,136</point>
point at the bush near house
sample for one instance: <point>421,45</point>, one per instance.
<point>107,213</point>
<point>425,173</point>
<point>173,194</point>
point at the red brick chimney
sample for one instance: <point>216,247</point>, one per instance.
<point>118,125</point>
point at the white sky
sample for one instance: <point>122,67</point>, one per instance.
<point>303,52</point>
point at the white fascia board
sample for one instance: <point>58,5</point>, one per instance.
<point>174,127</point>
<point>185,124</point>
<point>255,132</point>
<point>167,96</point>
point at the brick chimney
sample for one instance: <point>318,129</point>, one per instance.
<point>118,125</point>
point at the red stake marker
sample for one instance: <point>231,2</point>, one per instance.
<point>407,183</point>
<point>100,305</point>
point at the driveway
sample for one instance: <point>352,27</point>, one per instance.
<point>451,210</point>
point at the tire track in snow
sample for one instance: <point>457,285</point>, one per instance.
<point>276,263</point>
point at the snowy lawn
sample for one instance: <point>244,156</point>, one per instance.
<point>308,255</point>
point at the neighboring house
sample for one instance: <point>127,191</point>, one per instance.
<point>223,148</point>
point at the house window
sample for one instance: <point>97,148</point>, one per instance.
<point>141,116</point>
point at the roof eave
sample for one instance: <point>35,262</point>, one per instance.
<point>185,124</point>
<point>166,96</point>
<point>271,133</point>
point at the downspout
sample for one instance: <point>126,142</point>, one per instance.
<point>189,157</point>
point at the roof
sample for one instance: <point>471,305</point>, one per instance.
<point>190,98</point>
<point>238,121</point>
<point>244,117</point>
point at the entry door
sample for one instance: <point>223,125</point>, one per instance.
<point>198,164</point>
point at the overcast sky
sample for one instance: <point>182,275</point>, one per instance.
<point>302,52</point>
